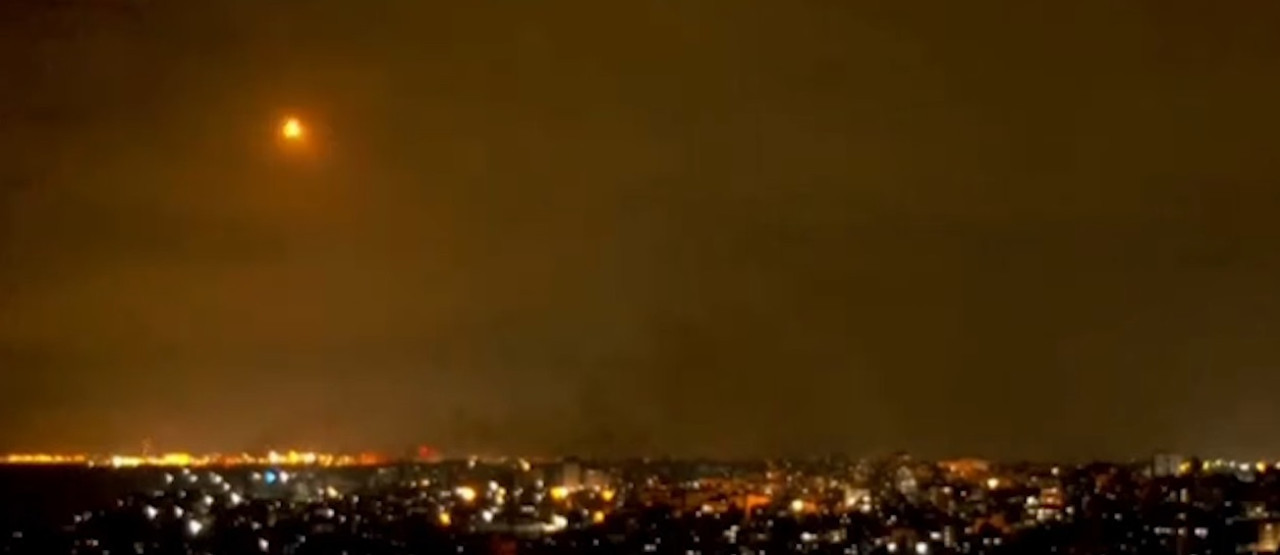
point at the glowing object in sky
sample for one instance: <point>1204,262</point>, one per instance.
<point>292,129</point>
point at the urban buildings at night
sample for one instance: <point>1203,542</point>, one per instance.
<point>882,505</point>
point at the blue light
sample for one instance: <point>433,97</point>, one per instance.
<point>269,477</point>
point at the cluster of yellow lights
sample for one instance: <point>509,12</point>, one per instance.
<point>42,459</point>
<point>170,459</point>
<point>288,458</point>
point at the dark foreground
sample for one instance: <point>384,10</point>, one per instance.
<point>465,508</point>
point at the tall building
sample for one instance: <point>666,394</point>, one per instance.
<point>905,482</point>
<point>1167,464</point>
<point>571,474</point>
<point>1268,539</point>
<point>595,479</point>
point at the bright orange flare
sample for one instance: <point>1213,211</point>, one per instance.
<point>292,129</point>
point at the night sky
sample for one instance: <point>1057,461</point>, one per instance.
<point>722,227</point>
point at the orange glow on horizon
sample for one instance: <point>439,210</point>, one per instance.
<point>180,459</point>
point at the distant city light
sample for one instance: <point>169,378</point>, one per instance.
<point>559,493</point>
<point>558,522</point>
<point>465,493</point>
<point>186,461</point>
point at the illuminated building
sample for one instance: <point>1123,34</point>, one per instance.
<point>1167,464</point>
<point>1268,538</point>
<point>571,474</point>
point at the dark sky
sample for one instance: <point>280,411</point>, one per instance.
<point>1015,229</point>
